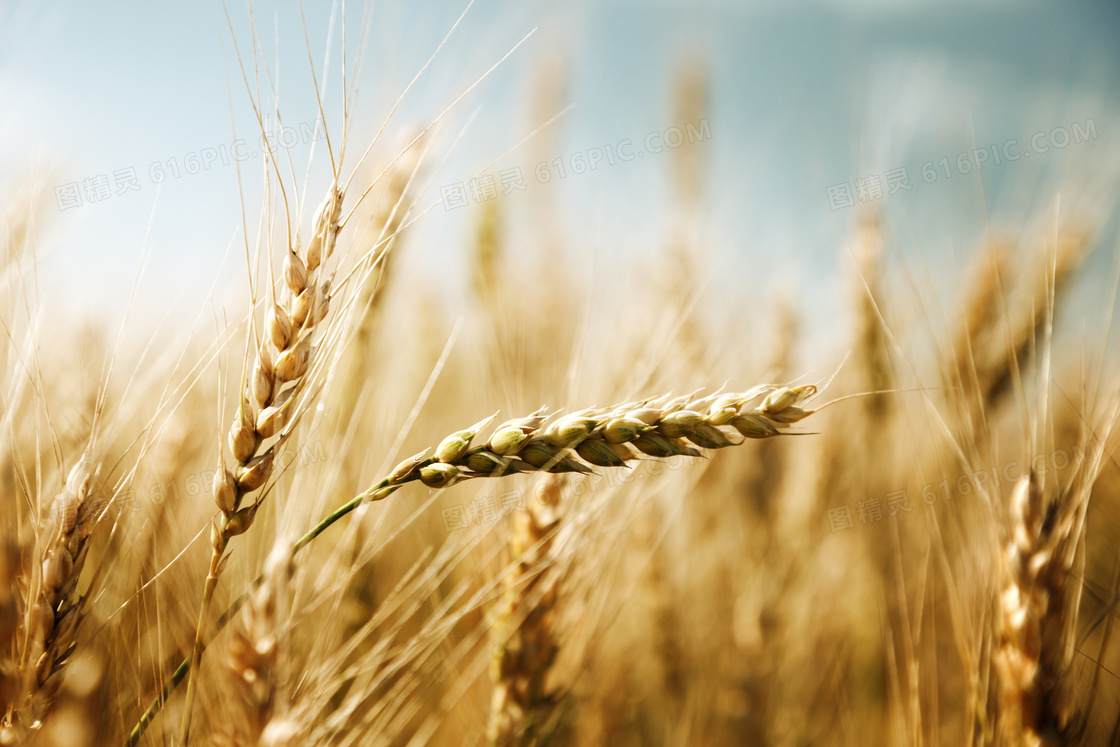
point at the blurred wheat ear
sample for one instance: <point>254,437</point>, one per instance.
<point>525,646</point>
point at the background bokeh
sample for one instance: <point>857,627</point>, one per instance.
<point>801,97</point>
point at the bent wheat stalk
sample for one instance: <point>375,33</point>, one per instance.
<point>657,428</point>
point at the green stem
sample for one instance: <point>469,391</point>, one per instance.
<point>334,516</point>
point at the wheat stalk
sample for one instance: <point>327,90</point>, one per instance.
<point>268,405</point>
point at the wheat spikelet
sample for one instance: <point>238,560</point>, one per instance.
<point>269,406</point>
<point>387,221</point>
<point>525,649</point>
<point>601,437</point>
<point>75,709</point>
<point>253,658</point>
<point>685,253</point>
<point>691,95</point>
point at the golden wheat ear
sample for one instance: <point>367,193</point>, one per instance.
<point>53,617</point>
<point>1038,611</point>
<point>271,404</point>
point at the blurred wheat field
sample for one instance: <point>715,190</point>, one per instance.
<point>353,508</point>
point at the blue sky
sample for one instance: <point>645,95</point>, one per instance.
<point>804,96</point>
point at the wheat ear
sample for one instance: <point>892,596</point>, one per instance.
<point>50,625</point>
<point>602,437</point>
<point>1005,314</point>
<point>254,654</point>
<point>1037,610</point>
<point>526,642</point>
<point>268,404</point>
